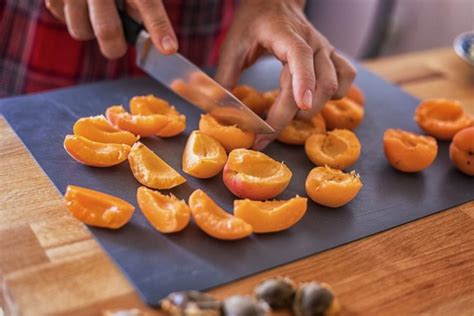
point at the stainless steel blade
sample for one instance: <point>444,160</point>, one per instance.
<point>192,84</point>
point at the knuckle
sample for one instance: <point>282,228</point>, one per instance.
<point>159,25</point>
<point>146,4</point>
<point>329,89</point>
<point>107,31</point>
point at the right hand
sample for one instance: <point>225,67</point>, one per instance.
<point>99,19</point>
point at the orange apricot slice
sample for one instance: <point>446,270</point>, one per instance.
<point>409,152</point>
<point>95,154</point>
<point>152,171</point>
<point>173,122</point>
<point>298,130</point>
<point>441,118</point>
<point>253,175</point>
<point>355,94</point>
<point>332,187</point>
<point>337,149</point>
<point>229,136</point>
<point>143,125</point>
<point>166,213</point>
<point>342,114</point>
<point>251,98</point>
<point>99,129</point>
<point>214,221</point>
<point>203,156</point>
<point>271,96</point>
<point>271,216</point>
<point>461,150</point>
<point>99,209</point>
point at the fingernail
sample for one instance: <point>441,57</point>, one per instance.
<point>168,43</point>
<point>307,99</point>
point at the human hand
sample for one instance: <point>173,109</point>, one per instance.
<point>313,72</point>
<point>89,19</point>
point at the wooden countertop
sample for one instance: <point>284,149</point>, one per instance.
<point>50,264</point>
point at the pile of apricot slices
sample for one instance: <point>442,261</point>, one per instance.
<point>299,130</point>
<point>96,208</point>
<point>152,171</point>
<point>332,187</point>
<point>253,175</point>
<point>338,149</point>
<point>203,156</point>
<point>441,118</point>
<point>343,114</point>
<point>99,129</point>
<point>461,150</point>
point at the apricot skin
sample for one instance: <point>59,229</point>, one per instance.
<point>356,94</point>
<point>409,152</point>
<point>461,150</point>
<point>298,131</point>
<point>342,114</point>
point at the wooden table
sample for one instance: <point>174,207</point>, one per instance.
<point>51,265</point>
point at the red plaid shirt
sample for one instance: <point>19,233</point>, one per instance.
<point>37,53</point>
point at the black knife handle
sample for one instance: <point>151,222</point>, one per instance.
<point>131,28</point>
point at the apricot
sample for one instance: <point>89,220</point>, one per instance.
<point>166,213</point>
<point>251,98</point>
<point>409,152</point>
<point>332,187</point>
<point>356,94</point>
<point>441,118</point>
<point>98,129</point>
<point>298,130</point>
<point>95,154</point>
<point>253,175</point>
<point>271,96</point>
<point>214,221</point>
<point>152,171</point>
<point>271,216</point>
<point>143,125</point>
<point>461,150</point>
<point>229,136</point>
<point>203,156</point>
<point>95,208</point>
<point>337,149</point>
<point>173,122</point>
<point>343,114</point>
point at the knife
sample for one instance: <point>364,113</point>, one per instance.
<point>188,81</point>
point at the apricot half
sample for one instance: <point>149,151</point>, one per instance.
<point>337,149</point>
<point>152,171</point>
<point>173,122</point>
<point>253,175</point>
<point>98,129</point>
<point>271,96</point>
<point>143,125</point>
<point>271,216</point>
<point>203,156</point>
<point>409,152</point>
<point>166,213</point>
<point>298,130</point>
<point>343,114</point>
<point>214,221</point>
<point>441,118</point>
<point>96,208</point>
<point>355,94</point>
<point>229,136</point>
<point>461,150</point>
<point>332,187</point>
<point>251,98</point>
<point>95,154</point>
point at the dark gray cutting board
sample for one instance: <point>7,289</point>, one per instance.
<point>158,264</point>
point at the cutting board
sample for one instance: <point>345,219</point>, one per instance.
<point>157,264</point>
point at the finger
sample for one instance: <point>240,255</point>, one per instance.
<point>107,28</point>
<point>346,73</point>
<point>158,25</point>
<point>229,67</point>
<point>77,19</point>
<point>56,7</point>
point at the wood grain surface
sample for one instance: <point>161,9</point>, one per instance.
<point>50,264</point>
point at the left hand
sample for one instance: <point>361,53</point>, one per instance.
<point>313,72</point>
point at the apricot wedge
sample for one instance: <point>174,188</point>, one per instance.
<point>271,216</point>
<point>342,114</point>
<point>298,130</point>
<point>203,156</point>
<point>461,150</point>
<point>229,136</point>
<point>214,221</point>
<point>441,118</point>
<point>99,129</point>
<point>173,123</point>
<point>271,96</point>
<point>95,208</point>
<point>152,171</point>
<point>143,125</point>
<point>253,175</point>
<point>95,154</point>
<point>252,98</point>
<point>337,149</point>
<point>332,187</point>
<point>409,152</point>
<point>355,94</point>
<point>166,213</point>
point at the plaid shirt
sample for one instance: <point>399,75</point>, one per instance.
<point>37,53</point>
